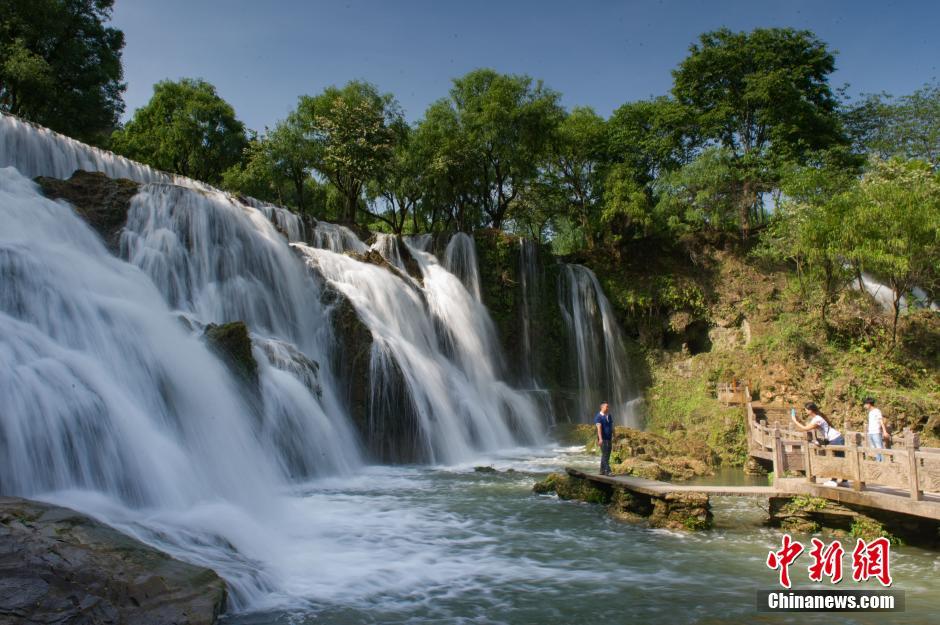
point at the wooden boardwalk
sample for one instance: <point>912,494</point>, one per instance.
<point>655,488</point>
<point>905,480</point>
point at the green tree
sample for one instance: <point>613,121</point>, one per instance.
<point>700,196</point>
<point>278,164</point>
<point>578,155</point>
<point>185,128</point>
<point>765,97</point>
<point>627,206</point>
<point>60,66</point>
<point>651,137</point>
<point>506,122</point>
<point>908,126</point>
<point>898,221</point>
<point>449,181</point>
<point>350,137</point>
<point>809,227</point>
<point>401,185</point>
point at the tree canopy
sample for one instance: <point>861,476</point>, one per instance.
<point>185,128</point>
<point>765,97</point>
<point>349,136</point>
<point>60,65</point>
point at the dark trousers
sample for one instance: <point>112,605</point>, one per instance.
<point>605,456</point>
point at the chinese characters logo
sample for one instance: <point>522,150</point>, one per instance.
<point>869,560</point>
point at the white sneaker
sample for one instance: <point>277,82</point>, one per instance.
<point>830,483</point>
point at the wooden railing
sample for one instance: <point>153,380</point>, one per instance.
<point>906,466</point>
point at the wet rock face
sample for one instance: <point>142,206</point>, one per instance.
<point>60,566</point>
<point>101,201</point>
<point>232,343</point>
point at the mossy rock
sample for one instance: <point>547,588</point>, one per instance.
<point>681,511</point>
<point>101,201</point>
<point>60,566</point>
<point>641,468</point>
<point>569,487</point>
<point>232,343</point>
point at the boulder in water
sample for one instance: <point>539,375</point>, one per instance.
<point>232,343</point>
<point>60,566</point>
<point>101,201</point>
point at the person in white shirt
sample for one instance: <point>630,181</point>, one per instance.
<point>832,436</point>
<point>877,430</point>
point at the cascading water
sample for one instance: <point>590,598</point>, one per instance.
<point>113,404</point>
<point>597,347</point>
<point>106,400</point>
<point>337,238</point>
<point>460,258</point>
<point>37,151</point>
<point>529,280</point>
<point>287,221</point>
<point>437,341</point>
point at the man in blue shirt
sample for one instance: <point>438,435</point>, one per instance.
<point>605,434</point>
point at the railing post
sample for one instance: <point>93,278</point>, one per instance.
<point>779,467</point>
<point>808,457</point>
<point>912,447</point>
<point>856,460</point>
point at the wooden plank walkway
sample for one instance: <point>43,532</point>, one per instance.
<point>655,488</point>
<point>906,478</point>
<point>878,497</point>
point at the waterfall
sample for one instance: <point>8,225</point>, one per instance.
<point>597,347</point>
<point>438,342</point>
<point>37,151</point>
<point>286,221</point>
<point>460,258</point>
<point>529,282</point>
<point>337,238</point>
<point>112,402</point>
<point>387,245</point>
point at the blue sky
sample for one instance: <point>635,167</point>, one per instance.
<point>261,55</point>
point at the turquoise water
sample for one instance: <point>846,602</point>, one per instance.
<point>449,545</point>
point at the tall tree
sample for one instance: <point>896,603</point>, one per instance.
<point>450,183</point>
<point>765,97</point>
<point>350,135</point>
<point>578,154</point>
<point>185,128</point>
<point>809,227</point>
<point>898,219</point>
<point>401,185</point>
<point>651,137</point>
<point>908,126</point>
<point>506,120</point>
<point>60,66</point>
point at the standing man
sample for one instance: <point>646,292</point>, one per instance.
<point>605,434</point>
<point>877,430</point>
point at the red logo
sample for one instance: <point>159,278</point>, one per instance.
<point>868,560</point>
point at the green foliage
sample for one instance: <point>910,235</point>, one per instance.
<point>348,136</point>
<point>504,123</point>
<point>402,184</point>
<point>867,528</point>
<point>897,222</point>
<point>650,137</point>
<point>60,66</point>
<point>185,128</point>
<point>702,195</point>
<point>908,126</point>
<point>764,97</point>
<point>575,167</point>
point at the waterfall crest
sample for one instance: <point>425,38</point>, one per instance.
<point>460,258</point>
